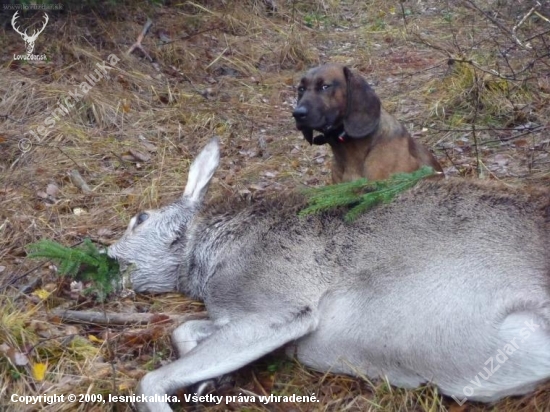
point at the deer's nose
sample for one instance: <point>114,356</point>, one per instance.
<point>300,113</point>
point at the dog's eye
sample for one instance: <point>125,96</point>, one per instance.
<point>301,89</point>
<point>325,86</point>
<point>142,217</point>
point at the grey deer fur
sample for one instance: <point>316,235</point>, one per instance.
<point>431,288</point>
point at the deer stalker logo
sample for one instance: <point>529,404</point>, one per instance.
<point>29,39</point>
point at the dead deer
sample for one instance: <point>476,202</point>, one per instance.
<point>431,288</point>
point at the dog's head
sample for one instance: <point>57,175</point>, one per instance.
<point>332,97</point>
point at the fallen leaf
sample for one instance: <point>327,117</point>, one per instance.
<point>71,330</point>
<point>250,153</point>
<point>52,190</point>
<point>126,385</point>
<point>258,187</point>
<point>521,143</point>
<point>142,157</point>
<point>76,289</point>
<point>135,337</point>
<point>39,371</point>
<point>41,194</point>
<point>125,107</point>
<point>92,338</point>
<point>150,147</point>
<point>44,329</point>
<point>41,293</point>
<point>17,358</point>
<point>266,382</point>
<point>79,211</point>
<point>56,319</point>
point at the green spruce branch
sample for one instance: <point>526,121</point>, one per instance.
<point>86,262</point>
<point>361,195</point>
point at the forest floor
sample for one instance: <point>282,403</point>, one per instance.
<point>469,79</point>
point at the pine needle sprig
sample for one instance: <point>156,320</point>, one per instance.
<point>361,195</point>
<point>87,262</point>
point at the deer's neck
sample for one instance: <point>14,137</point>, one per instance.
<point>210,242</point>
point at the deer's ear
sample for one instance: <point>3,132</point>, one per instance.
<point>201,171</point>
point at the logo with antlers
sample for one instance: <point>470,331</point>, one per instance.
<point>29,40</point>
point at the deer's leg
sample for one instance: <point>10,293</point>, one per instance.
<point>228,348</point>
<point>188,335</point>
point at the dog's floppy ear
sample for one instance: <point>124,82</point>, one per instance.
<point>362,106</point>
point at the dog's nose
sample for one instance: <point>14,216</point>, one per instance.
<point>300,113</point>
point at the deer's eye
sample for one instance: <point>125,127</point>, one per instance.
<point>301,89</point>
<point>142,217</point>
<point>325,86</point>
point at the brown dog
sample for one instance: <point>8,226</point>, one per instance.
<point>366,141</point>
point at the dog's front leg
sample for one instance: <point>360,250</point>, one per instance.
<point>226,349</point>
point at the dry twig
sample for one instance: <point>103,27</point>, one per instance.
<point>114,318</point>
<point>137,44</point>
<point>499,25</point>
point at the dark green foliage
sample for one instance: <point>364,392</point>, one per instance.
<point>86,261</point>
<point>361,194</point>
